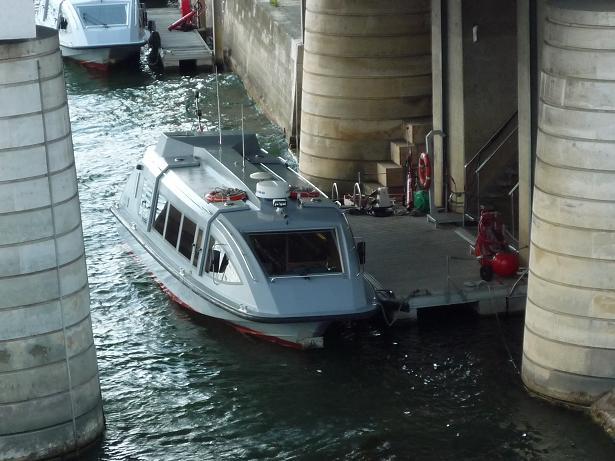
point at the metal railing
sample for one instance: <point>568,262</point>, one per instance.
<point>480,160</point>
<point>512,194</point>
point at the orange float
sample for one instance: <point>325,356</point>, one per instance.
<point>226,195</point>
<point>424,172</point>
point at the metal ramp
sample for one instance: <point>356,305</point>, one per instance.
<point>179,47</point>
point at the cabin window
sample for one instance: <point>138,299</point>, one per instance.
<point>103,15</point>
<point>297,253</point>
<point>174,219</point>
<point>197,247</point>
<point>186,241</point>
<point>219,264</point>
<point>147,192</point>
<point>161,214</point>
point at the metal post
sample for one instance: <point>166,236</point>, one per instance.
<point>213,29</point>
<point>430,154</point>
<point>243,142</point>
<point>302,21</point>
<point>218,101</point>
<point>477,195</point>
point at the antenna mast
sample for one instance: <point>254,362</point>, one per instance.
<point>199,113</point>
<point>243,141</point>
<point>218,100</point>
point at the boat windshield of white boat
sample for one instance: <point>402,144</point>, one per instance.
<point>297,253</point>
<point>103,14</point>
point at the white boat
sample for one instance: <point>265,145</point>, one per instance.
<point>235,234</point>
<point>97,33</point>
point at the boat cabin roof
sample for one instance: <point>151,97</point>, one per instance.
<point>204,163</point>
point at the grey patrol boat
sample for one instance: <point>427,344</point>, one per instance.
<point>232,233</point>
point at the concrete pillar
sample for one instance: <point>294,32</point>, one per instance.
<point>217,23</point>
<point>367,67</point>
<point>50,402</point>
<point>295,109</point>
<point>569,342</point>
<point>438,56</point>
<point>527,108</point>
<point>455,140</point>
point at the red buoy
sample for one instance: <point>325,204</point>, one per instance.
<point>505,264</point>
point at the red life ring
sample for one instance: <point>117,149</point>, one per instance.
<point>424,171</point>
<point>225,195</point>
<point>298,192</point>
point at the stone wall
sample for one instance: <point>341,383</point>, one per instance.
<point>262,44</point>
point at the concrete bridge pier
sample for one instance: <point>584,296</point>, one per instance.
<point>50,401</point>
<point>366,68</point>
<point>569,341</point>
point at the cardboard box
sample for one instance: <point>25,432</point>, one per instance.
<point>400,150</point>
<point>390,174</point>
<point>415,133</point>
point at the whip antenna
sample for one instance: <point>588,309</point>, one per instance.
<point>199,113</point>
<point>243,140</point>
<point>218,101</point>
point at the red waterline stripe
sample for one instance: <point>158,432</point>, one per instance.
<point>264,337</point>
<point>95,66</point>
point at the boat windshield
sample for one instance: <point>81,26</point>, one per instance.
<point>297,253</point>
<point>105,15</point>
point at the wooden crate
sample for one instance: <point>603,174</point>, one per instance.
<point>400,150</point>
<point>390,174</point>
<point>415,133</point>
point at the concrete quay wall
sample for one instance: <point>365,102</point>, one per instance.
<point>262,44</point>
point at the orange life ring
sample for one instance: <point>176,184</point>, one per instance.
<point>226,195</point>
<point>424,171</point>
<point>298,192</point>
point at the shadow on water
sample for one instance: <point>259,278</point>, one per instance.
<point>82,80</point>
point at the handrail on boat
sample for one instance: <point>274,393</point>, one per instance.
<point>303,178</point>
<point>243,256</point>
<point>207,235</point>
<point>155,193</point>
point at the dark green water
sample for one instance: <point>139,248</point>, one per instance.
<point>178,388</point>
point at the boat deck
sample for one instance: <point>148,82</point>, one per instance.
<point>179,47</point>
<point>204,178</point>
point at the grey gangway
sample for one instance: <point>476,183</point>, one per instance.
<point>50,401</point>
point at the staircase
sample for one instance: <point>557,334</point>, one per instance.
<point>492,178</point>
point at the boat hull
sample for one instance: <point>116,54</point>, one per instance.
<point>103,57</point>
<point>298,335</point>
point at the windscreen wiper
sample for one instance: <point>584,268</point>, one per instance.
<point>93,20</point>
